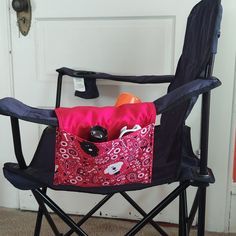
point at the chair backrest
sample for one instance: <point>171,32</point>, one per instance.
<point>200,44</point>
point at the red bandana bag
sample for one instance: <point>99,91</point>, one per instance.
<point>117,161</point>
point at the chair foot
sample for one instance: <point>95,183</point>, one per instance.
<point>38,222</point>
<point>201,211</point>
<point>183,214</point>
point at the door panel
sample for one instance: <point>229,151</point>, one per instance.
<point>130,45</point>
<point>128,37</point>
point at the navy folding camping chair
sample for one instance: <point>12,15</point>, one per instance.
<point>66,159</point>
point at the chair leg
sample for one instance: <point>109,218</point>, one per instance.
<point>59,212</point>
<point>89,214</point>
<point>38,224</point>
<point>201,211</point>
<point>180,216</point>
<point>47,215</point>
<point>173,195</point>
<point>143,213</point>
<point>193,211</point>
<point>183,213</point>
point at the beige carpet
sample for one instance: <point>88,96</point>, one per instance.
<point>21,223</point>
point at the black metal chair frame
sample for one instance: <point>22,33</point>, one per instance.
<point>185,218</point>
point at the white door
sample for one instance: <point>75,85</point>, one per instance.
<point>131,37</point>
<point>8,195</point>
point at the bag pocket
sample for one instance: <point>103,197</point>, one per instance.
<point>120,161</point>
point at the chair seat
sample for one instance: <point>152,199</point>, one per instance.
<point>31,178</point>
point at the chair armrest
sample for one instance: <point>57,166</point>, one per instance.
<point>184,93</point>
<point>14,108</point>
<point>143,79</point>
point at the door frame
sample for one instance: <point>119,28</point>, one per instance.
<point>231,189</point>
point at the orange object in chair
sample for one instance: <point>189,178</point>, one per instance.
<point>125,98</point>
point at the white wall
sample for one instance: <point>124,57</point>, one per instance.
<point>9,195</point>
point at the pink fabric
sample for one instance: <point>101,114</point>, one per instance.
<point>79,120</point>
<point>118,161</point>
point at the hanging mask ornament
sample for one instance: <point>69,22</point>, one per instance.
<point>23,13</point>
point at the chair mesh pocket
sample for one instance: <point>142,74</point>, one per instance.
<point>120,161</point>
